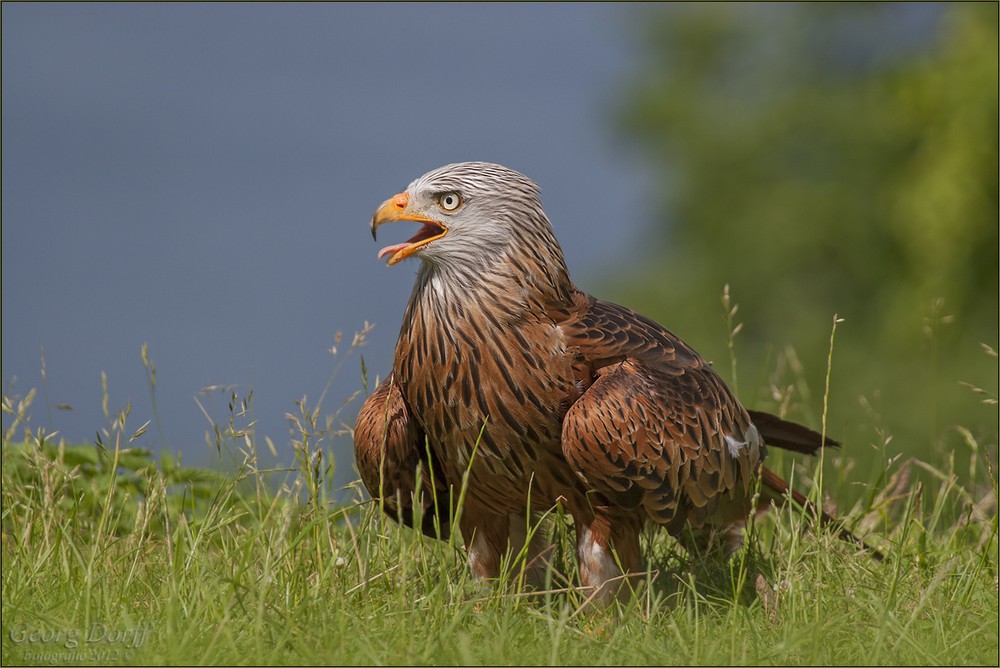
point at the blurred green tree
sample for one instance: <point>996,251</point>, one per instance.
<point>828,159</point>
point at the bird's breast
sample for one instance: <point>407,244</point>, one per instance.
<point>490,391</point>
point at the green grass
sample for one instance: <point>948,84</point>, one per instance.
<point>112,556</point>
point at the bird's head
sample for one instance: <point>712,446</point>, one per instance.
<point>471,214</point>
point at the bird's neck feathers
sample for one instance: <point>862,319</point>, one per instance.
<point>526,272</point>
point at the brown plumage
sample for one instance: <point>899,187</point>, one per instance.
<point>506,373</point>
<point>389,448</point>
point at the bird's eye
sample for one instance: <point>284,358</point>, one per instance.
<point>450,201</point>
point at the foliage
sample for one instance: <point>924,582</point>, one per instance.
<point>130,562</point>
<point>829,159</point>
<point>79,478</point>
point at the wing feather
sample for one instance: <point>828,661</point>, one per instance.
<point>655,421</point>
<point>390,452</point>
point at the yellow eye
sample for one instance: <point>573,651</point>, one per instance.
<point>450,201</point>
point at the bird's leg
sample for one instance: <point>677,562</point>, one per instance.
<point>608,548</point>
<point>485,536</point>
<point>533,541</point>
<point>712,541</point>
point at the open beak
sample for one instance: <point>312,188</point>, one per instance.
<point>397,208</point>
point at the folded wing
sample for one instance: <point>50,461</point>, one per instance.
<point>391,455</point>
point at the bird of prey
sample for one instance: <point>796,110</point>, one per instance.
<point>512,384</point>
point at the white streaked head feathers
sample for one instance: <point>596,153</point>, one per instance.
<point>499,207</point>
<point>483,177</point>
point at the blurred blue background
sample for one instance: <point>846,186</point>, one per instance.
<point>201,178</point>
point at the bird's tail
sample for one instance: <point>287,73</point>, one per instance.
<point>773,488</point>
<point>789,435</point>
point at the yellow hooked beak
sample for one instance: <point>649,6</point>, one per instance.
<point>397,208</point>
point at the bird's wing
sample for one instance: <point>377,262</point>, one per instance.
<point>655,426</point>
<point>391,453</point>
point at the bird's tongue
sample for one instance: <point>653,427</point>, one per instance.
<point>427,231</point>
<point>392,250</point>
